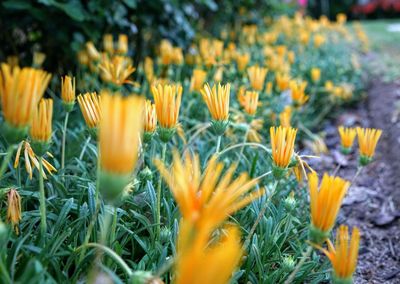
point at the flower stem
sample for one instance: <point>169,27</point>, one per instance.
<point>89,232</point>
<point>218,144</point>
<point>6,160</point>
<point>359,169</point>
<point>42,200</point>
<point>84,147</point>
<point>64,134</point>
<point>299,265</point>
<point>244,140</point>
<point>159,186</point>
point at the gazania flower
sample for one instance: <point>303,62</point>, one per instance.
<point>282,145</point>
<point>167,99</point>
<point>149,69</point>
<point>20,92</point>
<point>116,70</point>
<point>41,128</point>
<point>347,136</point>
<point>217,100</point>
<point>177,56</point>
<point>89,104</point>
<point>122,44</point>
<point>343,255</point>
<point>68,92</point>
<point>242,60</point>
<point>285,116</point>
<point>166,52</point>
<point>14,208</point>
<point>92,51</point>
<point>249,101</point>
<point>207,199</point>
<point>341,18</point>
<point>31,160</point>
<point>108,43</point>
<point>150,120</point>
<point>257,77</point>
<point>318,40</point>
<point>367,141</point>
<point>315,74</point>
<point>199,258</point>
<point>282,81</point>
<point>198,78</point>
<point>325,204</point>
<point>119,133</point>
<point>297,91</point>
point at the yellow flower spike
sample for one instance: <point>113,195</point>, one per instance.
<point>257,77</point>
<point>20,92</point>
<point>285,117</point>
<point>325,204</point>
<point>14,208</point>
<point>197,81</point>
<point>242,60</point>
<point>41,128</point>
<point>367,141</point>
<point>298,92</point>
<point>108,43</point>
<point>92,51</point>
<point>150,121</point>
<point>122,44</point>
<point>120,128</point>
<point>116,70</point>
<point>347,136</point>
<point>282,145</point>
<point>315,74</point>
<point>199,262</point>
<point>207,199</point>
<point>31,160</point>
<point>343,255</point>
<point>249,101</point>
<point>89,104</point>
<point>68,92</point>
<point>167,99</point>
<point>282,81</point>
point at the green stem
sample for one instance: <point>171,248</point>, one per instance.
<point>6,160</point>
<point>112,254</point>
<point>113,227</point>
<point>42,196</point>
<point>89,232</point>
<point>84,147</point>
<point>218,144</point>
<point>64,134</point>
<point>359,169</point>
<point>159,186</point>
<point>244,140</point>
<point>299,265</point>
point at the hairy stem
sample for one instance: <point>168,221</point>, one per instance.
<point>218,144</point>
<point>159,186</point>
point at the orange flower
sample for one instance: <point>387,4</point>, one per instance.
<point>68,90</point>
<point>217,100</point>
<point>14,208</point>
<point>257,77</point>
<point>116,70</point>
<point>282,144</point>
<point>347,136</point>
<point>249,101</point>
<point>315,74</point>
<point>282,81</point>
<point>198,78</point>
<point>367,141</point>
<point>41,128</point>
<point>285,116</point>
<point>89,104</point>
<point>122,44</point>
<point>150,117</point>
<point>167,99</point>
<point>242,60</point>
<point>298,92</point>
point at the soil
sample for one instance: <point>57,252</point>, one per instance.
<point>373,200</point>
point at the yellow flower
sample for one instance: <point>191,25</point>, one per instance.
<point>257,77</point>
<point>291,57</point>
<point>199,257</point>
<point>285,116</point>
<point>282,81</point>
<point>116,70</point>
<point>108,43</point>
<point>325,204</point>
<point>297,92</point>
<point>255,126</point>
<point>198,78</point>
<point>218,75</point>
<point>167,99</point>
<point>83,58</point>
<point>341,18</point>
<point>343,256</point>
<point>317,145</point>
<point>347,136</point>
<point>150,117</point>
<point>282,145</point>
<point>315,74</point>
<point>149,69</point>
<point>92,51</point>
<point>249,101</point>
<point>68,90</point>
<point>31,160</point>
<point>207,199</point>
<point>367,141</point>
<point>41,128</point>
<point>319,40</point>
<point>20,92</point>
<point>166,52</point>
<point>242,60</point>
<point>120,128</point>
<point>329,86</point>
<point>14,208</point>
<point>217,100</point>
<point>177,56</point>
<point>89,104</point>
<point>122,44</point>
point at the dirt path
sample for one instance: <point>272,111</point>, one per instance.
<point>373,201</point>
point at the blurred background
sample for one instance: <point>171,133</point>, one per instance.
<point>59,28</point>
